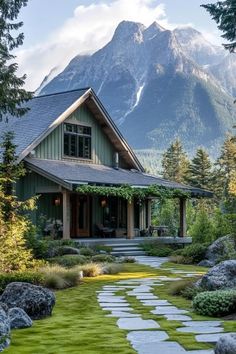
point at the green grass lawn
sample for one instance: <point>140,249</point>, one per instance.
<point>78,324</point>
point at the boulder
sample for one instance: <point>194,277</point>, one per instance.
<point>206,263</point>
<point>219,248</point>
<point>226,344</point>
<point>18,318</point>
<point>221,276</point>
<point>4,330</point>
<point>4,307</point>
<point>36,301</point>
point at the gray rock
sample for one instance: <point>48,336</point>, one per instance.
<point>36,301</point>
<point>219,248</point>
<point>222,276</point>
<point>4,330</point>
<point>206,263</point>
<point>4,307</point>
<point>19,318</point>
<point>226,344</point>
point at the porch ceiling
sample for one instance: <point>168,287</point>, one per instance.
<point>69,173</point>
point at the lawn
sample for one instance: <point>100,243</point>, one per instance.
<point>78,324</point>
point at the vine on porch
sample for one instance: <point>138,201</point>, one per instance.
<point>127,192</point>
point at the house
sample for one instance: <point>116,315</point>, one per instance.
<point>67,140</point>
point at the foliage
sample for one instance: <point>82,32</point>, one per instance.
<point>202,230</point>
<point>196,252</point>
<point>175,163</point>
<point>156,249</point>
<point>103,248</point>
<point>215,303</point>
<point>87,251</point>
<point>68,261</point>
<point>91,269</point>
<point>128,259</point>
<point>112,268</point>
<point>57,277</point>
<point>200,174</point>
<point>32,277</point>
<point>185,288</point>
<point>103,258</point>
<point>127,192</point>
<point>166,213</point>
<point>223,13</point>
<point>12,95</point>
<point>179,259</point>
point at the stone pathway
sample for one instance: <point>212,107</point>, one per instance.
<point>146,336</point>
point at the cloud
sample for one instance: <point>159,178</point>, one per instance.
<point>90,28</point>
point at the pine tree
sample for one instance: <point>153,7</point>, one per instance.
<point>224,14</point>
<point>200,174</point>
<point>175,163</point>
<point>12,94</point>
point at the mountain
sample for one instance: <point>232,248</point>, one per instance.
<point>157,84</point>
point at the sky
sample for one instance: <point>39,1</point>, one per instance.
<point>57,30</point>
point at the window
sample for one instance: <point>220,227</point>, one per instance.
<point>77,141</point>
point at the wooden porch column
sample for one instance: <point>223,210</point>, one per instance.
<point>130,219</point>
<point>66,214</point>
<point>183,224</point>
<point>149,206</point>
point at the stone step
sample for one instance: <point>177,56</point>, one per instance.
<point>130,248</point>
<point>128,253</point>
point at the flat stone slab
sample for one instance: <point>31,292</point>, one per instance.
<point>160,347</point>
<point>203,323</point>
<point>106,293</point>
<point>200,329</point>
<point>146,297</point>
<point>141,337</point>
<point>168,310</point>
<point>210,338</point>
<point>136,323</point>
<point>178,318</point>
<point>155,302</point>
<point>113,304</point>
<point>204,351</point>
<point>110,299</point>
<point>124,309</point>
<point>123,314</point>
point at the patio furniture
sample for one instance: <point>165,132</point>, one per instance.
<point>105,231</point>
<point>160,230</point>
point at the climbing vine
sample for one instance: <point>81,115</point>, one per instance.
<point>127,192</point>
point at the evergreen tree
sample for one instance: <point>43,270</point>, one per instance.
<point>224,14</point>
<point>200,174</point>
<point>12,95</point>
<point>175,163</point>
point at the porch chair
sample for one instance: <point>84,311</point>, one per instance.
<point>105,231</point>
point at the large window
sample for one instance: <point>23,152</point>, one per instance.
<point>77,141</point>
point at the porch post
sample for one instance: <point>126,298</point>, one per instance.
<point>149,206</point>
<point>66,214</point>
<point>183,224</point>
<point>130,219</point>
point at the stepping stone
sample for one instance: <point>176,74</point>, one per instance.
<point>123,309</point>
<point>136,323</point>
<point>141,337</point>
<point>113,304</point>
<point>107,293</point>
<point>146,297</point>
<point>200,329</point>
<point>110,299</point>
<point>210,338</point>
<point>122,314</point>
<point>205,351</point>
<point>160,347</point>
<point>155,302</point>
<point>178,318</point>
<point>168,310</point>
<point>203,323</point>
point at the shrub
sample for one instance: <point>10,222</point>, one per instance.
<point>103,258</point>
<point>27,277</point>
<point>86,251</point>
<point>156,249</point>
<point>104,248</point>
<point>112,268</point>
<point>202,230</point>
<point>181,259</point>
<point>191,254</point>
<point>57,277</point>
<point>128,260</point>
<point>68,261</point>
<point>91,269</point>
<point>215,303</point>
<point>177,287</point>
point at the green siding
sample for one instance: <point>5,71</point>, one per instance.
<point>102,149</point>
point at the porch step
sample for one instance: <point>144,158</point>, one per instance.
<point>128,253</point>
<point>127,249</point>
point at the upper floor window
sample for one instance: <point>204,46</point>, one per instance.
<point>77,141</point>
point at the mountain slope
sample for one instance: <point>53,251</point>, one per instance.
<point>151,82</point>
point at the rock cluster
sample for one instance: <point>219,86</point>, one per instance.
<point>217,250</point>
<point>226,344</point>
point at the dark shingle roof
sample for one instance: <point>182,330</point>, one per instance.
<point>44,110</point>
<point>77,173</point>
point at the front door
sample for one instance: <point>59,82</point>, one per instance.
<point>80,222</point>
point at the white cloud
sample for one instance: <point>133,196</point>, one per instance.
<point>89,29</point>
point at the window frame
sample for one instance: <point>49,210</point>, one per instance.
<point>78,136</point>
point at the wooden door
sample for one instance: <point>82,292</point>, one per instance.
<point>80,225</point>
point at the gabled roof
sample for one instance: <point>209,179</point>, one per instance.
<point>49,111</point>
<point>68,174</point>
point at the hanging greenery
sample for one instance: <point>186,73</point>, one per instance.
<point>127,192</point>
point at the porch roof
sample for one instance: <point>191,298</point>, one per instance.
<point>69,174</point>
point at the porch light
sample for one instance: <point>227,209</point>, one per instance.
<point>103,202</point>
<point>57,201</point>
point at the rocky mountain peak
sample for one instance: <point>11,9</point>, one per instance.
<point>128,30</point>
<point>153,30</point>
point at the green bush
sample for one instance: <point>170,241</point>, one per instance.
<point>86,251</point>
<point>128,259</point>
<point>27,277</point>
<point>103,248</point>
<point>68,261</point>
<point>91,269</point>
<point>103,258</point>
<point>215,303</point>
<point>177,287</point>
<point>112,268</point>
<point>202,230</point>
<point>156,249</point>
<point>181,259</point>
<point>191,254</point>
<point>57,277</point>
